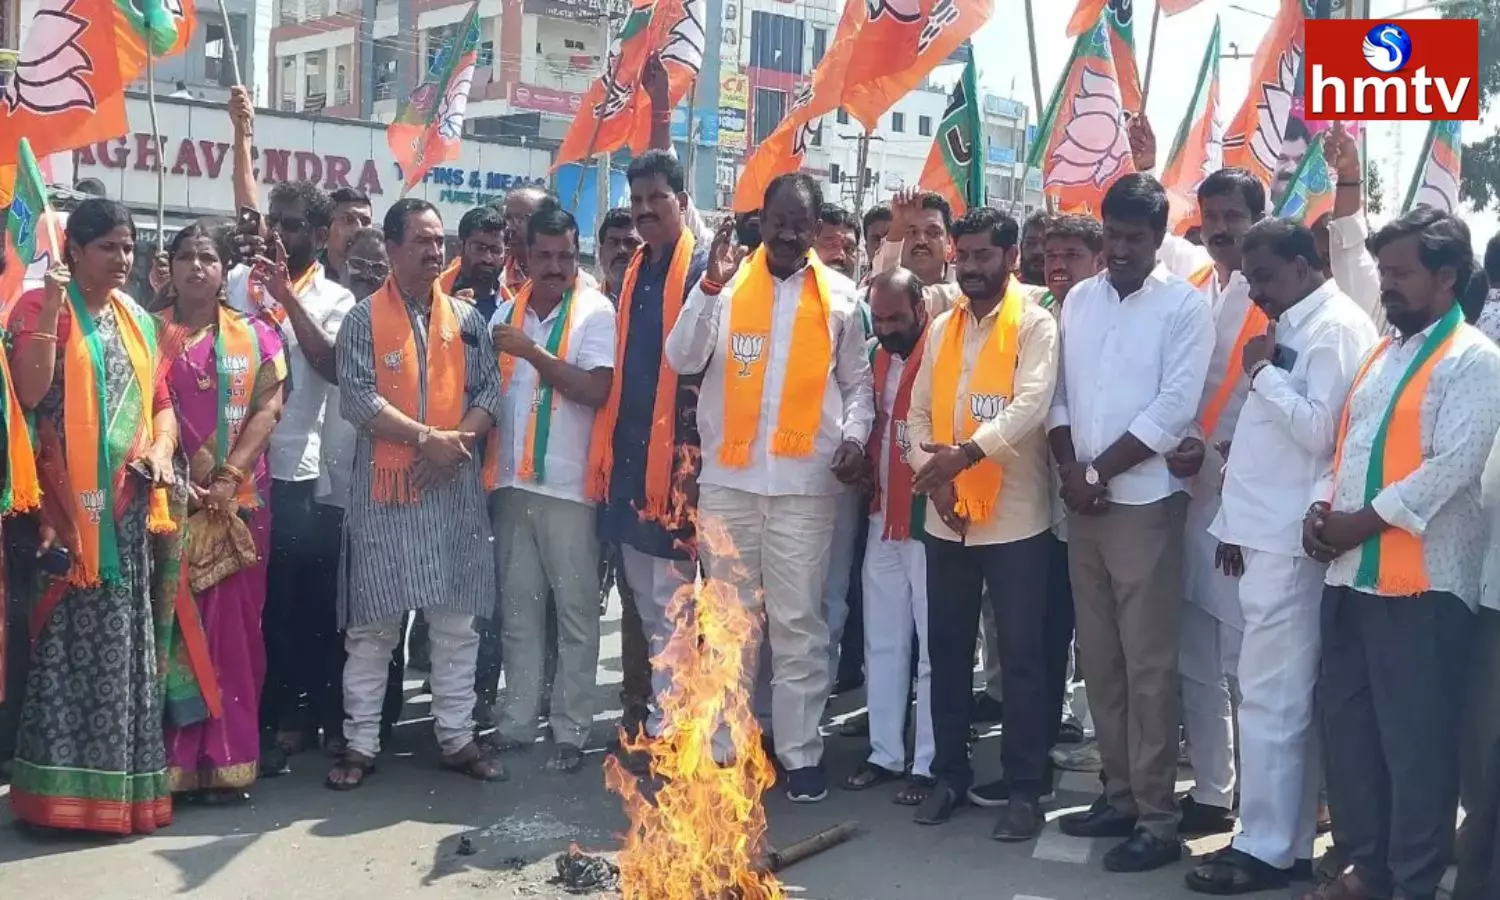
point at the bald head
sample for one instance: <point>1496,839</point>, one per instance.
<point>897,311</point>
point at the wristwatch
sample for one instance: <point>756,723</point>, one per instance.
<point>973,454</point>
<point>423,435</point>
<point>1091,475</point>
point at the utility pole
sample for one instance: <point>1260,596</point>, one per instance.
<point>863,159</point>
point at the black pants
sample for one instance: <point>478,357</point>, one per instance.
<point>1390,688</point>
<point>1016,576</point>
<point>1479,858</point>
<point>852,645</point>
<point>1057,632</point>
<point>304,648</point>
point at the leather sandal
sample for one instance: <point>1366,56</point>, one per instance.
<point>473,762</point>
<point>350,772</point>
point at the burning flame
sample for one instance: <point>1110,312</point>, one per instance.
<point>699,835</point>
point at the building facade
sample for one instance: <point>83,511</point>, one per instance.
<point>1009,128</point>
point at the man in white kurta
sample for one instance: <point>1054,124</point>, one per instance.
<point>778,508</point>
<point>1299,372</point>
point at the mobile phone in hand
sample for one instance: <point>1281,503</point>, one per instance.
<point>249,220</point>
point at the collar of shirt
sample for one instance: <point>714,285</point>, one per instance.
<point>1157,277</point>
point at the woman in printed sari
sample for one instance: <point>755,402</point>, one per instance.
<point>89,753</point>
<point>225,373</point>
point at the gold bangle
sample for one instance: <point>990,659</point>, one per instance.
<point>41,336</point>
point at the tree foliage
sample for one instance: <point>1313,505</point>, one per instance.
<point>1481,162</point>
<point>1374,189</point>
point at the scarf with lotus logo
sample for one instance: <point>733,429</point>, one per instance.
<point>888,447</point>
<point>808,357</point>
<point>991,384</point>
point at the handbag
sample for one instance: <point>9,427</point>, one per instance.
<point>218,545</point>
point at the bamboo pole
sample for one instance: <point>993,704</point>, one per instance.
<point>234,54</point>
<point>161,164</point>
<point>1150,57</point>
<point>1036,93</point>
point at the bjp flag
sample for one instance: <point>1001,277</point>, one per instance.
<point>1119,16</point>
<point>430,127</point>
<point>1254,137</point>
<point>1088,11</point>
<point>67,91</point>
<point>881,50</point>
<point>1198,150</point>
<point>158,28</point>
<point>1082,145</point>
<point>616,113</point>
<point>955,165</point>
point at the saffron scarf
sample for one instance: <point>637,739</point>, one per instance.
<point>1255,323</point>
<point>903,517</point>
<point>399,383</point>
<point>990,388</point>
<point>1392,561</point>
<point>237,354</point>
<point>448,280</point>
<point>533,465</point>
<point>807,362</point>
<point>99,446</point>
<point>1199,279</point>
<point>661,451</point>
<point>22,492</point>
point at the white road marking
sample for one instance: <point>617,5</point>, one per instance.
<point>1055,846</point>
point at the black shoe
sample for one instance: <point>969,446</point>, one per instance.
<point>1230,872</point>
<point>986,709</point>
<point>1020,821</point>
<point>995,794</point>
<point>939,805</point>
<point>1199,819</point>
<point>847,682</point>
<point>1100,821</point>
<point>806,785</point>
<point>1144,852</point>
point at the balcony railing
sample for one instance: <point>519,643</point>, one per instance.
<point>316,9</point>
<point>385,90</point>
<point>288,13</point>
<point>342,97</point>
<point>315,103</point>
<point>288,104</point>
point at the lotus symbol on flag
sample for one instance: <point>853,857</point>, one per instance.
<point>902,440</point>
<point>1094,146</point>
<point>451,114</point>
<point>900,10</point>
<point>93,504</point>
<point>1124,10</point>
<point>746,349</point>
<point>985,407</point>
<point>50,74</point>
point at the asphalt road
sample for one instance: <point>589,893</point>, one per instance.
<point>400,836</point>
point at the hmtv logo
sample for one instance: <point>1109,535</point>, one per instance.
<point>1414,69</point>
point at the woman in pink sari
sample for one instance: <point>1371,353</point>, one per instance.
<point>225,377</point>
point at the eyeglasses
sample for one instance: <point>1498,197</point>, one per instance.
<point>288,225</point>
<point>367,269</point>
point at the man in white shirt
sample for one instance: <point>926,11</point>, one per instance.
<point>1230,201</point>
<point>1136,349</point>
<point>1299,370</point>
<point>557,345</point>
<point>290,290</point>
<point>1402,526</point>
<point>774,463</point>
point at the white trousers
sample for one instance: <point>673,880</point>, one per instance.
<point>895,598</point>
<point>1208,658</point>
<point>454,644</point>
<point>1281,597</point>
<point>853,506</point>
<point>779,564</point>
<point>655,582</point>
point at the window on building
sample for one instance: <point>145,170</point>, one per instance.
<point>820,44</point>
<point>386,52</point>
<point>776,42</point>
<point>288,83</point>
<point>571,44</point>
<point>770,109</point>
<point>898,122</point>
<point>486,54</point>
<point>817,135</point>
<point>214,62</point>
<point>315,95</point>
<point>924,126</point>
<point>835,174</point>
<point>438,40</point>
<point>841,117</point>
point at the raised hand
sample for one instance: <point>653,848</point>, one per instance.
<point>657,84</point>
<point>1342,153</point>
<point>1142,142</point>
<point>724,255</point>
<point>241,110</point>
<point>55,286</point>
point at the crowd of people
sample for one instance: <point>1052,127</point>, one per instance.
<point>1233,486</point>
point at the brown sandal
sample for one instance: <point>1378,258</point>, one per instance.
<point>350,772</point>
<point>473,762</point>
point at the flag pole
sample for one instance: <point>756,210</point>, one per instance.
<point>1150,56</point>
<point>161,165</point>
<point>1036,92</point>
<point>594,135</point>
<point>234,55</point>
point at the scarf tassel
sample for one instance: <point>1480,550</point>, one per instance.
<point>159,513</point>
<point>898,531</point>
<point>391,486</point>
<point>735,454</point>
<point>974,509</point>
<point>790,443</point>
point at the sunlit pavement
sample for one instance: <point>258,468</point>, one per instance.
<point>402,835</point>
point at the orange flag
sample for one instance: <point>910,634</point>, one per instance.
<point>67,90</point>
<point>615,111</point>
<point>1199,148</point>
<point>1088,11</point>
<point>1253,139</point>
<point>1082,146</point>
<point>876,56</point>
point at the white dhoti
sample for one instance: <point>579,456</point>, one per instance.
<point>1208,658</point>
<point>454,643</point>
<point>655,582</point>
<point>780,566</point>
<point>1281,597</point>
<point>895,607</point>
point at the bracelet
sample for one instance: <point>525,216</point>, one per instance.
<point>41,335</point>
<point>711,288</point>
<point>1258,368</point>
